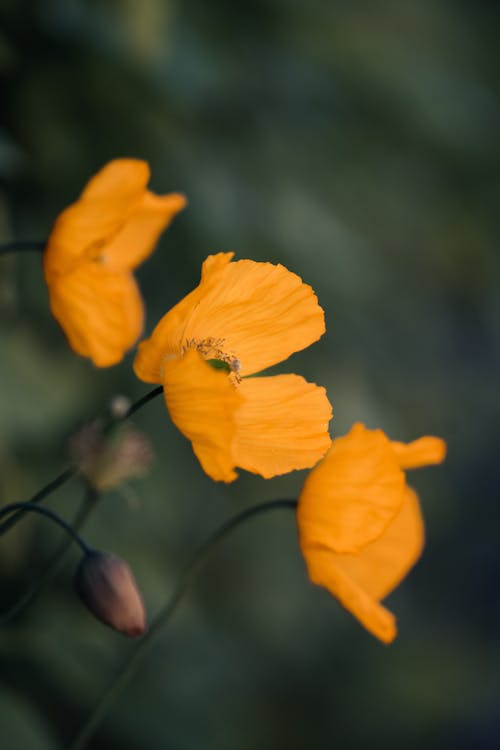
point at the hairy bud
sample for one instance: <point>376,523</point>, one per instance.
<point>107,587</point>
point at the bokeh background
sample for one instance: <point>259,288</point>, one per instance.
<point>356,143</point>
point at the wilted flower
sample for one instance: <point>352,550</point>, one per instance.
<point>106,586</point>
<point>360,525</point>
<point>107,461</point>
<point>93,248</point>
<point>242,318</point>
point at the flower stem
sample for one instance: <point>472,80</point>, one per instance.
<point>70,472</point>
<point>186,578</point>
<point>89,503</point>
<point>29,507</point>
<point>37,498</point>
<point>21,246</point>
<point>114,421</point>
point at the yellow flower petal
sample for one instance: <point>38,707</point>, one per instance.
<point>323,571</point>
<point>213,265</point>
<point>167,338</point>
<point>282,425</point>
<point>136,240</point>
<point>360,580</point>
<point>78,236</point>
<point>100,312</point>
<point>422,452</point>
<point>353,494</point>
<point>84,229</point>
<point>96,242</point>
<point>118,180</point>
<point>248,315</point>
<point>262,312</point>
<point>202,403</point>
<point>380,566</point>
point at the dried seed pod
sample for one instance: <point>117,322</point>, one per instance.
<point>109,461</point>
<point>106,586</point>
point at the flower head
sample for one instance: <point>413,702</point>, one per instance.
<point>360,525</point>
<point>243,317</point>
<point>107,461</point>
<point>107,587</point>
<point>93,247</point>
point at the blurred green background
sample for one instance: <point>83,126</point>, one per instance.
<point>357,144</point>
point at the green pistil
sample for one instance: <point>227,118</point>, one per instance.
<point>219,364</point>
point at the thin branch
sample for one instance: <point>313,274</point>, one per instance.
<point>44,492</point>
<point>114,421</point>
<point>71,471</point>
<point>22,246</point>
<point>190,571</point>
<point>89,503</point>
<point>29,507</point>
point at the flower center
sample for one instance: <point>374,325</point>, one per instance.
<point>212,350</point>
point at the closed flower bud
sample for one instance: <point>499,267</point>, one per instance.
<point>107,587</point>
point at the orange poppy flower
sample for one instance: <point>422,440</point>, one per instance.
<point>93,247</point>
<point>242,318</point>
<point>360,525</point>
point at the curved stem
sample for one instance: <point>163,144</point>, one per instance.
<point>48,514</point>
<point>70,472</point>
<point>89,503</point>
<point>197,561</point>
<point>21,246</point>
<point>38,497</point>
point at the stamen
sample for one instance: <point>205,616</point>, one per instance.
<point>212,349</point>
<point>235,365</point>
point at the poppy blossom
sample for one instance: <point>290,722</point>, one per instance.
<point>93,247</point>
<point>242,318</point>
<point>360,525</point>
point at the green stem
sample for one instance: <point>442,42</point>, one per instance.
<point>115,421</point>
<point>49,488</point>
<point>70,472</point>
<point>7,509</point>
<point>89,503</point>
<point>197,561</point>
<point>21,246</point>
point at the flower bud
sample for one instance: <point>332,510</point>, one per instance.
<point>119,406</point>
<point>108,461</point>
<point>106,586</point>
